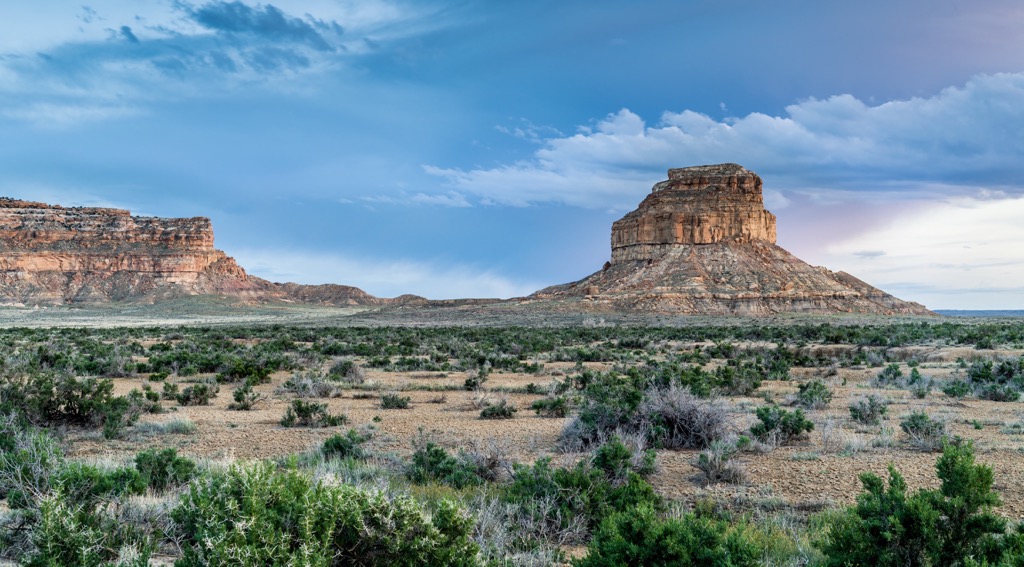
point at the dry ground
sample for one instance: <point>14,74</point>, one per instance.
<point>817,472</point>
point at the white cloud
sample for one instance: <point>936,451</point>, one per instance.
<point>383,278</point>
<point>965,135</point>
<point>961,253</point>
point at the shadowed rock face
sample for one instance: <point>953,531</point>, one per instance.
<point>54,255</point>
<point>702,243</point>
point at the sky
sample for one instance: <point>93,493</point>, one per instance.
<point>483,149</point>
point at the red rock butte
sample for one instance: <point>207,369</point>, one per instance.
<point>54,255</point>
<point>703,243</point>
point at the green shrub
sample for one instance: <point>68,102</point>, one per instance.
<point>255,515</point>
<point>948,526</point>
<point>163,469</point>
<point>925,433</point>
<point>814,395</point>
<point>591,490</point>
<point>70,534</point>
<point>475,381</point>
<point>617,460</point>
<point>245,397</point>
<point>85,484</point>
<point>51,399</point>
<point>557,406</point>
<point>890,376</point>
<point>347,446</point>
<point>310,414</point>
<point>637,536</point>
<point>431,463</point>
<point>170,391</point>
<point>716,463</point>
<point>957,388</point>
<point>777,424</point>
<point>394,401</point>
<point>197,395</point>
<point>346,370</point>
<point>870,410</point>
<point>500,410</point>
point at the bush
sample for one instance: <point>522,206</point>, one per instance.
<point>870,410</point>
<point>890,376</point>
<point>310,414</point>
<point>678,419</point>
<point>953,525</point>
<point>309,385</point>
<point>716,463</point>
<point>163,469</point>
<point>256,515</point>
<point>431,463</point>
<point>170,391</point>
<point>813,395</point>
<point>394,401</point>
<point>245,397</point>
<point>347,446</point>
<point>617,460</point>
<point>85,484</point>
<point>957,388</point>
<point>49,399</point>
<point>637,536</point>
<point>346,370</point>
<point>925,433</point>
<point>779,425</point>
<point>558,498</point>
<point>557,406</point>
<point>197,395</point>
<point>69,534</point>
<point>500,410</point>
<point>475,381</point>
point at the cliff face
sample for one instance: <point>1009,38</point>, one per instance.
<point>54,255</point>
<point>696,205</point>
<point>702,243</point>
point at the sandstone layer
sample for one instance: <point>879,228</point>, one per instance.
<point>56,255</point>
<point>703,243</point>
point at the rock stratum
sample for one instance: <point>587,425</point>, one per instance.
<point>703,243</point>
<point>55,255</point>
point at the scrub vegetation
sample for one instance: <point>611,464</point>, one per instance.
<point>670,446</point>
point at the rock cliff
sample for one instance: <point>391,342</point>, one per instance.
<point>56,255</point>
<point>703,243</point>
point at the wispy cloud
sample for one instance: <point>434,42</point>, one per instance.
<point>174,50</point>
<point>961,137</point>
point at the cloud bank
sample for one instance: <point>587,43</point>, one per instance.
<point>964,136</point>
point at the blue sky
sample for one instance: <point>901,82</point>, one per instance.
<point>456,149</point>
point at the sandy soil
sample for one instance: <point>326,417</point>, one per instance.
<point>817,472</point>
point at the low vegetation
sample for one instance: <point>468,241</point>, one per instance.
<point>624,401</point>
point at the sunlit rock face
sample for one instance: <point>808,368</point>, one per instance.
<point>695,205</point>
<point>703,243</point>
<point>54,255</point>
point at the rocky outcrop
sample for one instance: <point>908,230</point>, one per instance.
<point>56,255</point>
<point>703,243</point>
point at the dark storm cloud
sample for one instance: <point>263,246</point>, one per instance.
<point>266,21</point>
